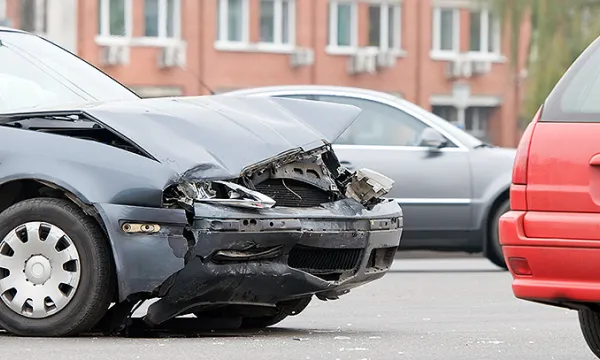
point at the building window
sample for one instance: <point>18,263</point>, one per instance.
<point>162,18</point>
<point>2,10</point>
<point>385,26</point>
<point>448,113</point>
<point>446,30</point>
<point>232,21</point>
<point>114,18</point>
<point>34,16</point>
<point>277,21</point>
<point>343,21</point>
<point>484,32</point>
<point>475,122</point>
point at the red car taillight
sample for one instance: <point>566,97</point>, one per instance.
<point>518,199</point>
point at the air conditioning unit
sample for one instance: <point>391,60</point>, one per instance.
<point>114,55</point>
<point>362,62</point>
<point>481,67</point>
<point>302,57</point>
<point>171,56</point>
<point>459,68</point>
<point>386,59</point>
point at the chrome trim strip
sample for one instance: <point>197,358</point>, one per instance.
<point>433,201</point>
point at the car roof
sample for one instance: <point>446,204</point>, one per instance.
<point>323,88</point>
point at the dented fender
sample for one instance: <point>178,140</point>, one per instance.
<point>144,261</point>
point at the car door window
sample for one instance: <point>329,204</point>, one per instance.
<point>378,124</point>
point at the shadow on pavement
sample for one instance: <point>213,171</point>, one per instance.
<point>190,327</point>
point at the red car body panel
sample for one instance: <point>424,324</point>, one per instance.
<point>562,271</point>
<point>551,236</point>
<point>556,228</point>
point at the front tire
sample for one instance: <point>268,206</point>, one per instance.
<point>262,321</point>
<point>589,321</point>
<point>56,275</point>
<point>494,248</point>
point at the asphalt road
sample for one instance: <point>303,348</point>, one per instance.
<point>447,309</point>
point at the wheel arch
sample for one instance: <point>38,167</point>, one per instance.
<point>18,189</point>
<point>502,196</point>
<point>24,188</point>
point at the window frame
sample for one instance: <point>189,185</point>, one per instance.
<point>436,39</point>
<point>484,17</point>
<point>222,36</point>
<point>35,21</point>
<point>332,18</point>
<point>163,21</point>
<point>277,42</point>
<point>384,25</point>
<point>3,7</point>
<point>104,25</point>
<point>479,122</point>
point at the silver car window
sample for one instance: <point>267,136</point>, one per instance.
<point>378,124</point>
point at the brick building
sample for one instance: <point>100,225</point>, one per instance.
<point>447,56</point>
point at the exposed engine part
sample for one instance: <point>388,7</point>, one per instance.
<point>294,193</point>
<point>309,171</point>
<point>291,156</point>
<point>367,185</point>
<point>337,170</point>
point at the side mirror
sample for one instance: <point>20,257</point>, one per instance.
<point>431,138</point>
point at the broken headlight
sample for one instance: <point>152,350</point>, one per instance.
<point>218,192</point>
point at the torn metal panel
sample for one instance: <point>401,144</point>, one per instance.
<point>367,185</point>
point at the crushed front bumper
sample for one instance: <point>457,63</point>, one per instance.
<point>253,257</point>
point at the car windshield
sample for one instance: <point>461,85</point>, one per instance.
<point>34,73</point>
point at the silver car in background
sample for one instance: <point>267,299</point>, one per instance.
<point>452,186</point>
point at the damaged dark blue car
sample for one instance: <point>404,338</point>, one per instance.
<point>213,205</point>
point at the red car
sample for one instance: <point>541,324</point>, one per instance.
<point>551,236</point>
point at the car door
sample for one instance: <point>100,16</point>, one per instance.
<point>433,187</point>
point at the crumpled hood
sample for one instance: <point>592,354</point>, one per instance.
<point>216,137</point>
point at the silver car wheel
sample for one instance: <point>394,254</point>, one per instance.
<point>39,270</point>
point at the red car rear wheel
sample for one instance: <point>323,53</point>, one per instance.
<point>590,326</point>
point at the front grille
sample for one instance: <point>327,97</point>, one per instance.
<point>323,261</point>
<point>292,193</point>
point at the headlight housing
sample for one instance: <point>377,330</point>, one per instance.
<point>217,192</point>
